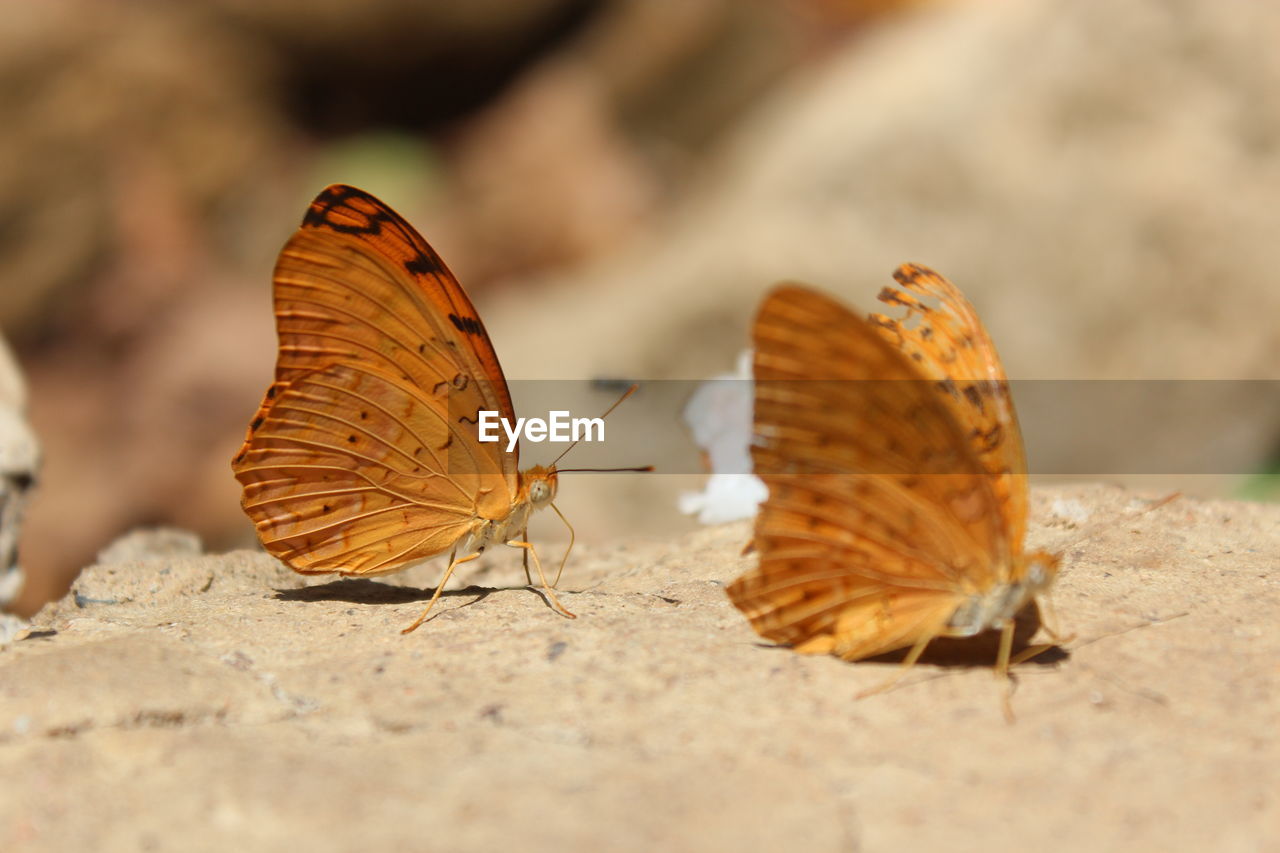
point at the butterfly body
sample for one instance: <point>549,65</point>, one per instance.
<point>896,476</point>
<point>997,607</point>
<point>365,456</point>
<point>537,489</point>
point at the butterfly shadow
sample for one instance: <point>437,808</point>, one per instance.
<point>365,591</point>
<point>982,650</point>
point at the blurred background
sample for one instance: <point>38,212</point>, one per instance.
<point>616,183</point>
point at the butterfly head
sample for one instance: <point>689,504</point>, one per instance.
<point>992,608</point>
<point>1034,574</point>
<point>538,485</point>
<point>1038,569</point>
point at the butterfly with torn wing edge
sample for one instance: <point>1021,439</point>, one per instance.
<point>896,473</point>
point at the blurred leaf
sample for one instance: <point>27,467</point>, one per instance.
<point>400,168</point>
<point>1262,486</point>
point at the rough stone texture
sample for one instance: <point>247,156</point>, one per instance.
<point>179,701</point>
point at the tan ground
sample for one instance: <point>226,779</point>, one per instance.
<point>221,702</point>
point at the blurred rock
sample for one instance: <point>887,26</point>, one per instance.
<point>126,123</point>
<point>19,462</point>
<point>151,544</point>
<point>1097,177</point>
<point>593,140</point>
<point>131,189</point>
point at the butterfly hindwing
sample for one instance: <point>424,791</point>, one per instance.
<point>351,473</point>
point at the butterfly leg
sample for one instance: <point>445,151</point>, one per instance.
<point>907,662</point>
<point>524,558</point>
<point>1002,668</point>
<point>453,563</point>
<point>537,564</point>
<point>1049,621</point>
<point>1030,652</point>
<point>1007,661</point>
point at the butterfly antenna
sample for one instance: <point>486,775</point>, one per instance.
<point>1096,529</point>
<point>624,396</point>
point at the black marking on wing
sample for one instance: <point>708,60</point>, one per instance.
<point>469,325</point>
<point>319,213</point>
<point>423,264</point>
<point>989,440</point>
<point>974,396</point>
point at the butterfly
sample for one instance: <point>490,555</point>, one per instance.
<point>896,473</point>
<point>364,456</point>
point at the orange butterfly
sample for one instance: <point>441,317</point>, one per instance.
<point>897,478</point>
<point>364,456</point>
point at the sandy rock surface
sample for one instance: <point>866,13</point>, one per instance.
<point>176,700</point>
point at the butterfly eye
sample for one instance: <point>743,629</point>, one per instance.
<point>1041,571</point>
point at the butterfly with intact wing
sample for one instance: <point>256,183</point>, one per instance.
<point>897,478</point>
<point>364,456</point>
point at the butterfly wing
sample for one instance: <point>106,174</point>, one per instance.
<point>365,454</point>
<point>948,343</point>
<point>880,517</point>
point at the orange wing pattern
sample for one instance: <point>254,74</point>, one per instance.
<point>882,518</point>
<point>364,455</point>
<point>950,345</point>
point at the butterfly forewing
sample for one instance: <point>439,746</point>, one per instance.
<point>364,455</point>
<point>948,343</point>
<point>357,282</point>
<point>880,517</point>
